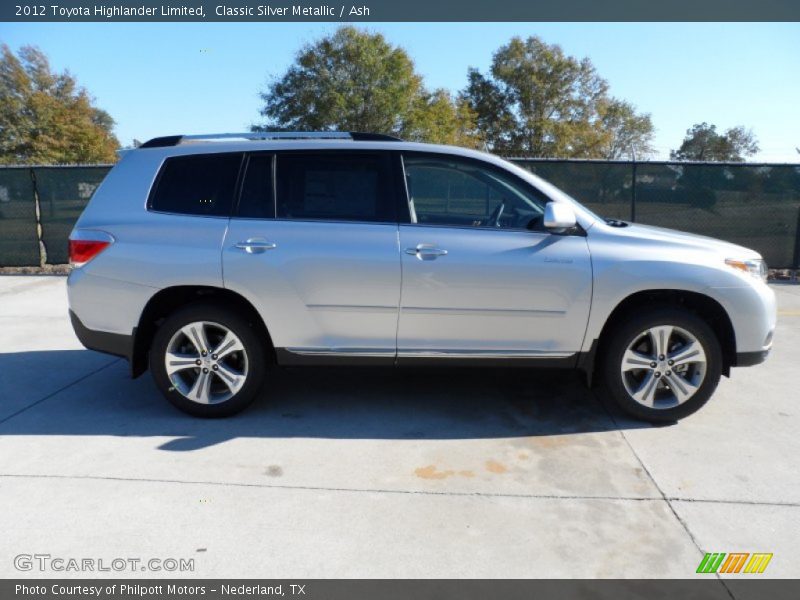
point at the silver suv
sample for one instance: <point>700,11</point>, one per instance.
<point>209,258</point>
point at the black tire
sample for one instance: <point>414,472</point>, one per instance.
<point>623,334</point>
<point>254,350</point>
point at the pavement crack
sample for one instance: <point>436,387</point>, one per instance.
<point>666,498</point>
<point>334,489</point>
<point>390,491</point>
<point>58,391</point>
<point>737,502</point>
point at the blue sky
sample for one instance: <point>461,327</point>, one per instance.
<point>159,79</point>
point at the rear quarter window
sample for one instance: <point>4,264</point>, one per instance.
<point>196,185</point>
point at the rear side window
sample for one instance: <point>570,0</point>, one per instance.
<point>197,185</point>
<point>335,186</point>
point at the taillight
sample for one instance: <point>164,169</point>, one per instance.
<point>85,245</point>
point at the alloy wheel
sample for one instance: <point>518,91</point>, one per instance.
<point>206,362</point>
<point>663,366</point>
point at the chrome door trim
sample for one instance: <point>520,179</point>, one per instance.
<point>500,312</point>
<point>415,353</point>
<point>424,353</point>
<point>352,308</point>
<point>342,352</point>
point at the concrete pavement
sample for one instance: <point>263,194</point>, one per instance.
<point>381,473</point>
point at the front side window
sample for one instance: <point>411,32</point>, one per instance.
<point>197,185</point>
<point>450,191</point>
<point>335,186</point>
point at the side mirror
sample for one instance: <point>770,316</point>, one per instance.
<point>559,217</point>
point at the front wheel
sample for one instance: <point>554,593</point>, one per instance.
<point>662,365</point>
<point>207,361</point>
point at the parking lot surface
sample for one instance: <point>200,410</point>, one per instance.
<point>386,473</point>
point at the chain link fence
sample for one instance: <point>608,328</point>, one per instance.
<point>755,205</point>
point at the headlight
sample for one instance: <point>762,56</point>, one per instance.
<point>754,266</point>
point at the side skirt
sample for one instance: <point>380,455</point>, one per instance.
<point>358,357</point>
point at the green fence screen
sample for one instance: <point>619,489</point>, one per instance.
<point>755,205</point>
<point>63,193</point>
<point>19,239</point>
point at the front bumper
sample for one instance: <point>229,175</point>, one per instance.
<point>752,310</point>
<point>748,359</point>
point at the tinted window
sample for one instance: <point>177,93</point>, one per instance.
<point>335,186</point>
<point>450,191</point>
<point>197,185</point>
<point>257,199</point>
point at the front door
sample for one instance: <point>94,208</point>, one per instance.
<point>481,276</point>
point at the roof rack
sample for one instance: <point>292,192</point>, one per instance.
<point>356,136</point>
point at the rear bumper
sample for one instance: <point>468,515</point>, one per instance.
<point>102,341</point>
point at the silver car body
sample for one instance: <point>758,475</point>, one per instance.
<point>336,289</point>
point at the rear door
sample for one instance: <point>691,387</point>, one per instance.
<point>481,276</point>
<point>314,246</point>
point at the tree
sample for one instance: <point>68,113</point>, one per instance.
<point>702,142</point>
<point>628,134</point>
<point>351,80</point>
<point>46,117</point>
<point>491,107</point>
<point>356,81</point>
<point>540,102</point>
<point>440,119</point>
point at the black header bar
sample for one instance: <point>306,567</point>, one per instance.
<point>399,10</point>
<point>700,588</point>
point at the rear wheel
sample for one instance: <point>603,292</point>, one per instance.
<point>662,365</point>
<point>208,361</point>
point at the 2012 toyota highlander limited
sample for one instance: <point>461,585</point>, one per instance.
<point>207,258</point>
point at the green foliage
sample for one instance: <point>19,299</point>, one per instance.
<point>356,81</point>
<point>702,142</point>
<point>440,119</point>
<point>492,109</point>
<point>540,102</point>
<point>45,117</point>
<point>627,134</point>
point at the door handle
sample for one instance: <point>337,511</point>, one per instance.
<point>426,252</point>
<point>255,245</point>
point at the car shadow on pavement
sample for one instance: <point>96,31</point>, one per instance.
<point>338,403</point>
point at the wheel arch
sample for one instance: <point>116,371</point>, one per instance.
<point>702,305</point>
<point>168,300</point>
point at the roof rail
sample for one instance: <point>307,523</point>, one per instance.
<point>362,136</point>
<point>357,136</point>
